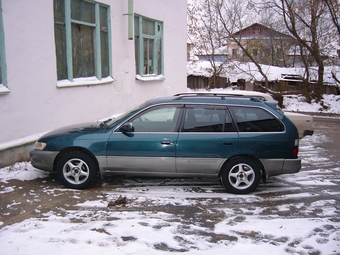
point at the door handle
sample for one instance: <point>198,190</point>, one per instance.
<point>166,142</point>
<point>226,143</point>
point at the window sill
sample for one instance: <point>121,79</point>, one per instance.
<point>4,89</point>
<point>88,81</point>
<point>150,77</point>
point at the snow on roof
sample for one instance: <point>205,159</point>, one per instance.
<point>249,72</point>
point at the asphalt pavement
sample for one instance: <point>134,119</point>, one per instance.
<point>312,193</point>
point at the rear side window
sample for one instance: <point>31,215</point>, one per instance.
<point>253,119</point>
<point>207,119</point>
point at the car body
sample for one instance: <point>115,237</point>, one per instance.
<point>303,122</point>
<point>242,140</point>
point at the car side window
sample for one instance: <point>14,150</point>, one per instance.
<point>158,119</point>
<point>254,119</point>
<point>201,119</point>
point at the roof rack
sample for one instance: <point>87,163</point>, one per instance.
<point>223,96</point>
<point>204,94</point>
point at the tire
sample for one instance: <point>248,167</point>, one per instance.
<point>241,175</point>
<point>77,170</point>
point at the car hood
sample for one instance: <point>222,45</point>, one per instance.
<point>82,128</point>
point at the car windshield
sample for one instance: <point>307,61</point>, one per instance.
<point>125,115</point>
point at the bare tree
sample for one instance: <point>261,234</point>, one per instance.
<point>205,36</point>
<point>210,22</point>
<point>213,22</point>
<point>307,21</point>
<point>334,9</point>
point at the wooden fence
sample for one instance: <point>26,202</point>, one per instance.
<point>201,82</point>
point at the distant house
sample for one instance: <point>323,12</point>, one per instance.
<point>266,45</point>
<point>272,50</point>
<point>69,61</point>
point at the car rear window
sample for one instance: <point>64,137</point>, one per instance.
<point>254,119</point>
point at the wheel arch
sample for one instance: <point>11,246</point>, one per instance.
<point>70,149</point>
<point>256,160</point>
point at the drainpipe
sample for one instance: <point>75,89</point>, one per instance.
<point>130,19</point>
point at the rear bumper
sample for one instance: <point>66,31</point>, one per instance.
<point>275,167</point>
<point>308,132</point>
<point>43,160</point>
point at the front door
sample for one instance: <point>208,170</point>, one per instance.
<point>151,147</point>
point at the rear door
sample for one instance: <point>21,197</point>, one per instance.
<point>207,137</point>
<point>262,135</point>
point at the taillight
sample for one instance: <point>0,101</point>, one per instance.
<point>296,147</point>
<point>296,151</point>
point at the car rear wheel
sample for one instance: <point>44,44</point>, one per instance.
<point>77,170</point>
<point>241,175</point>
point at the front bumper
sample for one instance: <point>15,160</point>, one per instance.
<point>43,160</point>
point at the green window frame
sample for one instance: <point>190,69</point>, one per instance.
<point>82,39</point>
<point>3,71</point>
<point>148,46</point>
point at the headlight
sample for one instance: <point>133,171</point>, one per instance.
<point>39,146</point>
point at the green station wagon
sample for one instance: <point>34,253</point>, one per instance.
<point>240,139</point>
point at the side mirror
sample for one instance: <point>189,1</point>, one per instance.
<point>127,128</point>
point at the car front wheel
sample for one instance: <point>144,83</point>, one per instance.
<point>241,175</point>
<point>76,170</point>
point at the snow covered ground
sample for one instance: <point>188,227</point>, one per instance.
<point>235,70</point>
<point>248,226</point>
<point>279,218</point>
<point>295,103</point>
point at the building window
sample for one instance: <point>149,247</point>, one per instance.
<point>3,77</point>
<point>234,53</point>
<point>82,39</point>
<point>148,47</point>
<point>257,30</point>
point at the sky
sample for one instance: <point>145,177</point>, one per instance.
<point>136,232</point>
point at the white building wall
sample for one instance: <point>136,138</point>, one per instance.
<point>36,105</point>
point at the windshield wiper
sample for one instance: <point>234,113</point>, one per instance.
<point>104,124</point>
